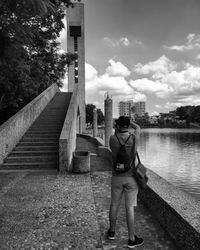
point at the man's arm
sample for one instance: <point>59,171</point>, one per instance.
<point>135,127</point>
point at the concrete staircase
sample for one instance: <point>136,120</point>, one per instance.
<point>39,147</point>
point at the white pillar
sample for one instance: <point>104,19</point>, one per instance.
<point>76,44</point>
<point>95,122</point>
<point>108,119</point>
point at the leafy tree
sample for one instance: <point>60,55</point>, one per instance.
<point>89,114</point>
<point>185,112</point>
<point>196,114</point>
<point>29,56</point>
<point>100,116</point>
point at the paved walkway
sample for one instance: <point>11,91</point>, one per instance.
<point>44,210</point>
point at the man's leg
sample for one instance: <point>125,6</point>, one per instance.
<point>130,222</point>
<point>116,196</point>
<point>131,191</point>
<point>114,208</point>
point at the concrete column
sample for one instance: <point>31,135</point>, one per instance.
<point>80,120</point>
<point>76,44</point>
<point>108,119</point>
<point>95,123</point>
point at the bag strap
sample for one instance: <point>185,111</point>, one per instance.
<point>137,155</point>
<point>122,139</point>
<point>118,139</point>
<point>138,158</point>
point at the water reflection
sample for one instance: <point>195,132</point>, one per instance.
<point>174,154</point>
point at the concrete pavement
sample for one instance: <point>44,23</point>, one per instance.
<point>45,210</point>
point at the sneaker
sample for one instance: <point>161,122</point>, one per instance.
<point>135,243</point>
<point>110,235</point>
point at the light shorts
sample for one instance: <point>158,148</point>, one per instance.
<point>124,185</point>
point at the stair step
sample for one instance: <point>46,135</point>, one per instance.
<point>45,127</point>
<point>30,166</point>
<point>55,113</point>
<point>38,143</point>
<point>41,158</point>
<point>36,148</point>
<point>30,132</point>
<point>44,130</point>
<point>39,139</point>
<point>39,135</point>
<point>56,120</point>
<point>34,153</point>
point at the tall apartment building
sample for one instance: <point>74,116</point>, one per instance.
<point>129,108</point>
<point>125,108</point>
<point>140,108</point>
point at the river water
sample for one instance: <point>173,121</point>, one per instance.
<point>174,154</point>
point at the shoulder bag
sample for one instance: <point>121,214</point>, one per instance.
<point>139,172</point>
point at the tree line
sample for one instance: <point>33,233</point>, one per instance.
<point>189,113</point>
<point>29,51</point>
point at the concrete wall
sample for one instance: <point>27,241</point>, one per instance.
<point>13,129</point>
<point>177,212</point>
<point>67,140</point>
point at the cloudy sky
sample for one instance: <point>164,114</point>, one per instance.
<point>142,50</point>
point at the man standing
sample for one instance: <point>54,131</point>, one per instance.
<point>124,183</point>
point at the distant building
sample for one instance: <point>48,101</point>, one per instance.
<point>125,108</point>
<point>139,108</point>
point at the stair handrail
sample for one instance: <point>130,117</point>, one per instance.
<point>67,140</point>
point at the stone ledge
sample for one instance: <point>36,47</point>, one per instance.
<point>67,139</point>
<point>96,140</point>
<point>102,150</point>
<point>177,212</point>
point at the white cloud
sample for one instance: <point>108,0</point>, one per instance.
<point>176,86</point>
<point>154,113</point>
<point>112,81</point>
<point>168,81</point>
<point>157,68</point>
<point>117,69</point>
<point>63,32</point>
<point>138,42</point>
<point>90,73</point>
<point>184,82</point>
<point>109,42</point>
<point>172,105</point>
<point>65,83</point>
<point>148,86</point>
<point>122,41</point>
<point>61,51</point>
<point>158,106</point>
<point>193,42</point>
